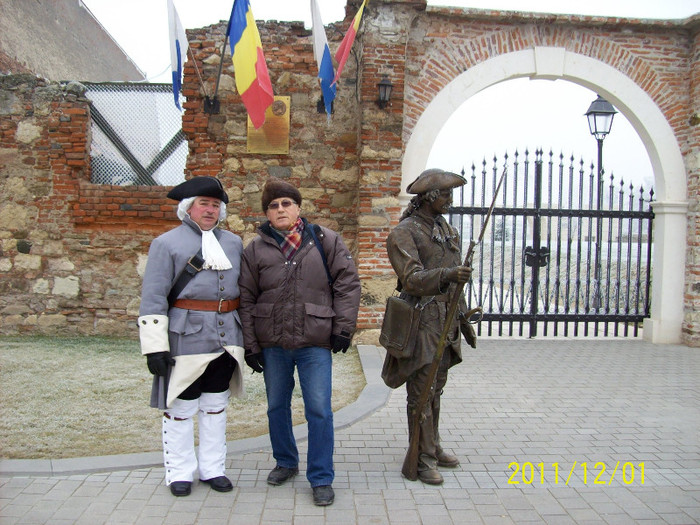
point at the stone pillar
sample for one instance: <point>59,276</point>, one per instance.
<point>383,49</point>
<point>691,291</point>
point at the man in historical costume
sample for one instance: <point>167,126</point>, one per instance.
<point>424,251</point>
<point>190,333</point>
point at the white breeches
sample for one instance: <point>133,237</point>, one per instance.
<point>178,437</point>
<point>212,434</point>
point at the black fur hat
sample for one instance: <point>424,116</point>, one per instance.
<point>199,187</point>
<point>276,188</point>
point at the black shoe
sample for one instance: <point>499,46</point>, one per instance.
<point>323,495</point>
<point>181,488</point>
<point>281,474</point>
<point>219,483</point>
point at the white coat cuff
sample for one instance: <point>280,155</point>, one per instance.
<point>153,332</point>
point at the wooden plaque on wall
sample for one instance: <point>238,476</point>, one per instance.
<point>273,136</point>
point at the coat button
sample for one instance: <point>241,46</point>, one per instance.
<point>220,323</point>
<point>222,334</point>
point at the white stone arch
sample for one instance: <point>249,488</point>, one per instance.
<point>670,225</point>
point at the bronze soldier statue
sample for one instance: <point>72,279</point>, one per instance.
<point>424,251</point>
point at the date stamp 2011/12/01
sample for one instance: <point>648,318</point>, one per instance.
<point>598,473</point>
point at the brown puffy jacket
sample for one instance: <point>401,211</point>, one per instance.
<point>289,303</point>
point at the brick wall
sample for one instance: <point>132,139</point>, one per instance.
<point>72,252</point>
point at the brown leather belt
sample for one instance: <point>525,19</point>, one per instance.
<point>221,306</point>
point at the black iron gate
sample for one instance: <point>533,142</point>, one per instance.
<point>555,257</point>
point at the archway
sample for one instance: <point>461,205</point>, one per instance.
<point>667,310</point>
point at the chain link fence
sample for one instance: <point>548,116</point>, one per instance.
<point>137,135</point>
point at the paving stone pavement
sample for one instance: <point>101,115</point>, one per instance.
<point>550,431</point>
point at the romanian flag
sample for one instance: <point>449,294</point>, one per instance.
<point>178,50</point>
<point>322,54</point>
<point>252,78</point>
<point>343,52</point>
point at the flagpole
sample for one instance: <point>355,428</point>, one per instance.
<point>199,75</point>
<point>211,105</point>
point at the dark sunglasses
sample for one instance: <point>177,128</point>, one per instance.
<point>275,205</point>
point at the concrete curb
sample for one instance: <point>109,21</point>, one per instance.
<point>373,397</point>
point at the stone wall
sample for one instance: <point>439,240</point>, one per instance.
<point>73,252</point>
<point>62,269</point>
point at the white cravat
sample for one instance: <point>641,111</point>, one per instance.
<point>213,253</point>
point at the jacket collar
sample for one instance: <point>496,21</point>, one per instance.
<point>268,230</point>
<point>440,231</point>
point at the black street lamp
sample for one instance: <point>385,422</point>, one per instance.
<point>600,118</point>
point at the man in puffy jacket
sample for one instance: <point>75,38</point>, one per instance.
<point>190,333</point>
<point>300,294</point>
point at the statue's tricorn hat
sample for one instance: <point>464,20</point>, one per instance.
<point>435,179</point>
<point>199,187</point>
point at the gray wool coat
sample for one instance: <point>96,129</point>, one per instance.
<point>194,338</point>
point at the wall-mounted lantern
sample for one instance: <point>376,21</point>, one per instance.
<point>384,88</point>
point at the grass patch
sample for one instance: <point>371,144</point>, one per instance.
<point>88,396</point>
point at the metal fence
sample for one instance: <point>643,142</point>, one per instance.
<point>136,135</point>
<point>552,259</point>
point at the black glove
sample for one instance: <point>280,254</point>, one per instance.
<point>468,332</point>
<point>255,361</point>
<point>340,343</point>
<point>158,363</point>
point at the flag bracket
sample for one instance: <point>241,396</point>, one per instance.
<point>211,105</point>
<point>321,106</point>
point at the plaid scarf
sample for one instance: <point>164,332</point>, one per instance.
<point>292,240</point>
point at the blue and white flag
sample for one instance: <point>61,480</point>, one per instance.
<point>178,50</point>
<point>323,58</point>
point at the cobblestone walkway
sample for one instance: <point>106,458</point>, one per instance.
<point>548,431</point>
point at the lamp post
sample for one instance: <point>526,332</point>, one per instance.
<point>600,118</point>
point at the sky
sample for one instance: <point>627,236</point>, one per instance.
<point>501,118</point>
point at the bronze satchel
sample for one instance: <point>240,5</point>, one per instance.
<point>399,331</point>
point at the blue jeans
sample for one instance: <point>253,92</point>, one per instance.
<point>314,366</point>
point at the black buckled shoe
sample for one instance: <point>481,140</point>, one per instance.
<point>323,495</point>
<point>281,474</point>
<point>219,483</point>
<point>181,488</point>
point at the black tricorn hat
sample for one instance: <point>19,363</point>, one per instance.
<point>435,179</point>
<point>199,187</point>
